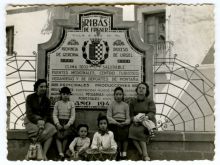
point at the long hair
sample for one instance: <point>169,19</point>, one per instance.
<point>38,82</point>
<point>147,88</point>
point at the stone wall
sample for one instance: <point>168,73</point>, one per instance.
<point>167,145</point>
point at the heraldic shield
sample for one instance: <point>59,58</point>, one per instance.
<point>95,50</point>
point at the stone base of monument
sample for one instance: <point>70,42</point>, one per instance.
<point>167,145</point>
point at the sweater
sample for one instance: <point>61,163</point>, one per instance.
<point>79,144</point>
<point>118,112</point>
<point>146,106</point>
<point>64,110</point>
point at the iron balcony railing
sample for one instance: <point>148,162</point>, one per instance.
<point>163,50</point>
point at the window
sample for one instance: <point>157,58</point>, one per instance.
<point>155,28</point>
<point>10,40</point>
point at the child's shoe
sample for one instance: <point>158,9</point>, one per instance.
<point>123,158</point>
<point>61,156</point>
<point>146,158</point>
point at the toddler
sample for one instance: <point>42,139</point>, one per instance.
<point>80,144</point>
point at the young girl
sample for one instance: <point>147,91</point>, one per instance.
<point>119,120</point>
<point>80,144</point>
<point>64,117</point>
<point>103,140</point>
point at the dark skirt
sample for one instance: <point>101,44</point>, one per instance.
<point>120,133</point>
<point>138,132</point>
<point>69,133</point>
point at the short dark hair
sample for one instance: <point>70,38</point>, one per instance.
<point>82,125</point>
<point>119,89</point>
<point>38,82</point>
<point>65,90</point>
<point>147,88</point>
<point>101,116</point>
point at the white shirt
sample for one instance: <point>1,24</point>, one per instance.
<point>105,141</point>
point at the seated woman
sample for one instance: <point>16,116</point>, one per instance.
<point>138,132</point>
<point>37,120</point>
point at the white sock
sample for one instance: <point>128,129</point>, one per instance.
<point>124,153</point>
<point>61,154</point>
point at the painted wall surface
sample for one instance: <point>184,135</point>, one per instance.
<point>191,28</point>
<point>28,30</point>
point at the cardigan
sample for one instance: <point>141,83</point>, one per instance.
<point>105,141</point>
<point>37,110</point>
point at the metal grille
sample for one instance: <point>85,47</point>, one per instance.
<point>20,77</point>
<point>184,96</point>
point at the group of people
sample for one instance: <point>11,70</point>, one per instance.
<point>123,121</point>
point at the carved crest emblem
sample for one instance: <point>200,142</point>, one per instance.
<point>95,50</point>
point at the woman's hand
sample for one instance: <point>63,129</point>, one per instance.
<point>40,124</point>
<point>142,118</point>
<point>146,118</point>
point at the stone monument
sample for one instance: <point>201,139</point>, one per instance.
<point>92,52</point>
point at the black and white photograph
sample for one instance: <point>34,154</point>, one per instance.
<point>110,81</point>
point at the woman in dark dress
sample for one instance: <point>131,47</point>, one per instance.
<point>137,132</point>
<point>38,116</point>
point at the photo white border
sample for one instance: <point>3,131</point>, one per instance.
<point>3,137</point>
